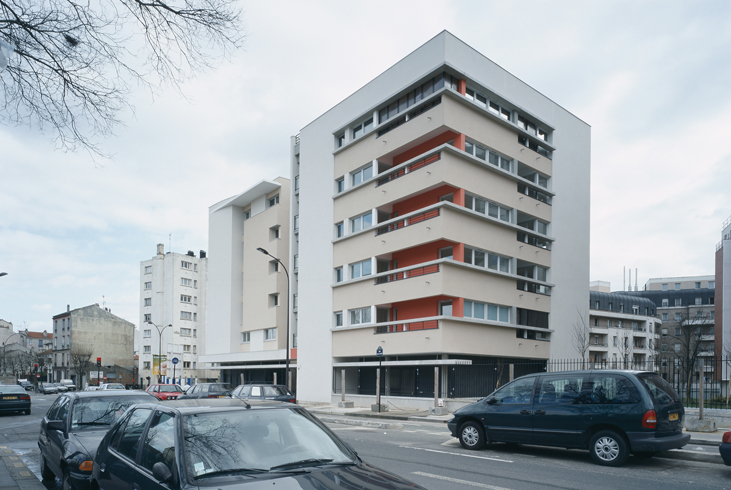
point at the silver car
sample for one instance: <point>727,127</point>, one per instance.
<point>47,388</point>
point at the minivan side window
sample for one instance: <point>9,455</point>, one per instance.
<point>611,389</point>
<point>519,391</point>
<point>562,389</point>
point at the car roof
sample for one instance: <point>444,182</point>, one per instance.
<point>110,393</point>
<point>589,371</point>
<point>212,405</point>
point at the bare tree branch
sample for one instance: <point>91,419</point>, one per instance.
<point>581,338</point>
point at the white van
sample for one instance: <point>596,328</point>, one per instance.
<point>69,384</point>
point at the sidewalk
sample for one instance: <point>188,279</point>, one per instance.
<point>15,474</point>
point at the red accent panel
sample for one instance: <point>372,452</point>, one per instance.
<point>459,141</point>
<point>458,252</point>
<point>458,197</point>
<point>422,200</point>
<point>293,353</point>
<point>462,87</point>
<point>424,307</point>
<point>458,307</point>
<point>422,253</point>
<point>414,152</point>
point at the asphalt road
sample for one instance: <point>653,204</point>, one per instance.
<point>426,453</point>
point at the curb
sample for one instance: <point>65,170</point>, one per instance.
<point>14,468</point>
<point>685,455</point>
<point>361,423</point>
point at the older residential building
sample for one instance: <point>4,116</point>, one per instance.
<point>722,329</point>
<point>95,332</point>
<point>172,317</point>
<point>38,341</point>
<point>441,216</point>
<point>247,307</point>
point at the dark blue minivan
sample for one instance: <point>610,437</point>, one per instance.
<point>612,413</point>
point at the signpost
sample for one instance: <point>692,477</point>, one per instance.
<point>379,355</point>
<point>175,363</point>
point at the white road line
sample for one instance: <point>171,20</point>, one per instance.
<point>457,454</point>
<point>461,482</point>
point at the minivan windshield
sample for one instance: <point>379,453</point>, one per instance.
<point>659,389</point>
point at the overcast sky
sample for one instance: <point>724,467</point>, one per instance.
<point>651,78</point>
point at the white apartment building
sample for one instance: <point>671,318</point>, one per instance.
<point>441,213</point>
<point>173,298</point>
<point>246,337</point>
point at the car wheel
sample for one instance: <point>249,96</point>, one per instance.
<point>46,473</point>
<point>608,448</point>
<point>472,436</point>
<point>27,412</point>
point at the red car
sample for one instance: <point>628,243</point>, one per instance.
<point>165,392</point>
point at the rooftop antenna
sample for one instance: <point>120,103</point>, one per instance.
<point>170,242</point>
<point>624,277</point>
<point>635,278</point>
<point>104,302</point>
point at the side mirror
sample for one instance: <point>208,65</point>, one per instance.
<point>161,472</point>
<point>491,400</point>
<point>56,425</point>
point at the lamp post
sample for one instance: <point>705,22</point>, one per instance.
<point>3,274</point>
<point>286,369</point>
<point>5,370</point>
<point>159,352</point>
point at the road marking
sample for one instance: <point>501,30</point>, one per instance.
<point>461,482</point>
<point>457,454</point>
<point>25,473</point>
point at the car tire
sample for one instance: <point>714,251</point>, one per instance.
<point>472,436</point>
<point>608,448</point>
<point>46,473</point>
<point>27,412</point>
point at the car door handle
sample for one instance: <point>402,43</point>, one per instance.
<point>539,412</point>
<point>102,467</point>
<point>525,412</point>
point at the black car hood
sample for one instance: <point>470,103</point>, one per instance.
<point>353,477</point>
<point>87,440</point>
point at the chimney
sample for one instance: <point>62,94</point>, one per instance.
<point>68,308</point>
<point>191,253</point>
<point>160,249</point>
<point>203,254</point>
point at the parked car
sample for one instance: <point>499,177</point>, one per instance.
<point>207,390</point>
<point>62,388</point>
<point>725,448</point>
<point>611,413</point>
<point>47,388</point>
<point>165,392</point>
<point>69,384</point>
<point>72,428</point>
<point>111,386</point>
<point>230,443</point>
<point>14,399</point>
<point>27,385</point>
<point>278,393</point>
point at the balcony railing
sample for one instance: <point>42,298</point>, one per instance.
<point>532,287</point>
<point>411,220</point>
<point>407,327</point>
<point>600,344</point>
<point>421,271</point>
<point>534,240</point>
<point>408,169</point>
<point>538,196</point>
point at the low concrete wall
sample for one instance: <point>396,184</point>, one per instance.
<point>404,402</point>
<point>721,417</point>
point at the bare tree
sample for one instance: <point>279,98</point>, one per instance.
<point>688,344</point>
<point>624,347</point>
<point>74,63</point>
<point>581,338</point>
<point>80,358</point>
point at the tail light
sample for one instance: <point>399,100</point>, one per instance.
<point>727,437</point>
<point>649,421</point>
<point>292,400</point>
<point>25,397</point>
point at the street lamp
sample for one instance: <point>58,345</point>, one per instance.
<point>3,274</point>
<point>159,353</point>
<point>5,370</point>
<point>286,369</point>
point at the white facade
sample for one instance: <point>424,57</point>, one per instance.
<point>172,292</point>
<point>246,337</point>
<point>324,156</point>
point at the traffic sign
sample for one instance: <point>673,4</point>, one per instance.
<point>379,351</point>
<point>175,360</point>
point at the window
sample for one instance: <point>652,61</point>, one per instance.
<point>160,442</point>
<point>274,299</point>
<point>147,333</point>
<point>697,285</point>
<point>273,201</point>
<point>339,319</point>
<point>146,365</point>
<point>247,214</point>
<point>665,302</point>
<point>361,222</point>
<point>517,393</point>
<point>186,348</point>
<point>492,261</point>
<point>270,334</point>
<point>148,285</point>
<point>273,266</point>
<point>184,281</point>
<point>274,232</point>
<point>677,286</point>
<point>711,284</point>
<point>698,301</point>
<point>664,317</point>
<point>500,111</point>
<point>339,185</point>
<point>186,265</point>
<point>184,298</point>
<point>677,317</point>
<point>339,274</point>
<point>678,302</point>
<point>360,269</point>
<point>664,287</point>
<point>489,156</point>
<point>148,269</point>
<point>485,311</point>
<point>148,317</point>
<point>148,301</point>
<point>445,253</point>
<point>186,315</point>
<point>361,175</point>
<point>713,315</point>
<point>245,337</point>
<point>609,323</point>
<point>486,207</point>
<point>677,348</point>
<point>339,230</point>
<point>340,140</point>
<point>147,349</point>
<point>363,128</point>
<point>360,315</point>
<point>185,332</point>
<point>129,442</point>
<point>415,96</point>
